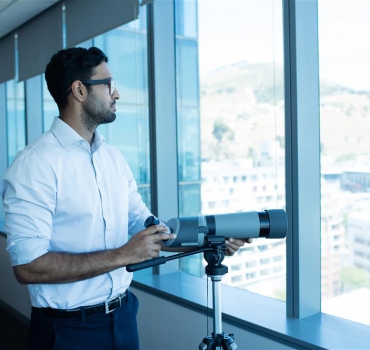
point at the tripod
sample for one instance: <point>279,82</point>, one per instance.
<point>214,253</point>
<point>215,270</point>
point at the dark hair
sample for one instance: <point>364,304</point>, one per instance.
<point>68,65</point>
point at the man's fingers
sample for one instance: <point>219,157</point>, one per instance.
<point>157,233</point>
<point>163,236</point>
<point>153,229</point>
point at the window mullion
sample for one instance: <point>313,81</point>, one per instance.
<point>3,133</point>
<point>163,121</point>
<point>34,107</point>
<point>163,116</point>
<point>302,157</point>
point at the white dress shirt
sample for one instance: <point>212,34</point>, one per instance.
<point>62,195</point>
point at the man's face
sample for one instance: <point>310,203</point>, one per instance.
<point>100,106</point>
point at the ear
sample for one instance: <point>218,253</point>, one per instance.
<point>79,90</point>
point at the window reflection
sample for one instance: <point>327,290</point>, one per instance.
<point>230,99</point>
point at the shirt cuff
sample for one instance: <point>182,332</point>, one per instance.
<point>27,250</point>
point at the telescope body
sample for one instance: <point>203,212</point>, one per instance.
<point>199,231</point>
<point>192,231</point>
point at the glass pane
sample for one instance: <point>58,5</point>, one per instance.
<point>50,109</point>
<point>345,158</point>
<point>126,48</point>
<point>16,118</point>
<point>230,99</point>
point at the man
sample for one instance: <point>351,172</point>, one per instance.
<point>71,201</point>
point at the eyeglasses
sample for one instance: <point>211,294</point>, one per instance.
<point>110,82</point>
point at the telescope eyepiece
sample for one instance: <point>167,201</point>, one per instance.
<point>151,220</point>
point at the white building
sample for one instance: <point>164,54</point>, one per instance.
<point>359,239</point>
<point>238,186</point>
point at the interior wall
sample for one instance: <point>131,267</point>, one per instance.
<point>165,325</point>
<point>12,293</point>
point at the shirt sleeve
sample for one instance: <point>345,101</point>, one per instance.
<point>29,198</point>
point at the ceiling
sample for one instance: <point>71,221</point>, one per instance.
<point>13,13</point>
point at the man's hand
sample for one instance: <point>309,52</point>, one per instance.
<point>234,244</point>
<point>146,244</point>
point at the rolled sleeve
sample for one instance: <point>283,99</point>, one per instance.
<point>26,250</point>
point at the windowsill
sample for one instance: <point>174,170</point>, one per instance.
<point>257,314</point>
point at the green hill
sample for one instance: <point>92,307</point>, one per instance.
<point>242,106</point>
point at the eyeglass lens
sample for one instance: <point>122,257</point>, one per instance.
<point>112,87</point>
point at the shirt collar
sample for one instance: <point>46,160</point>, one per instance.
<point>67,136</point>
<point>98,140</point>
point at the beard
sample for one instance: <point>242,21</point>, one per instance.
<point>95,112</point>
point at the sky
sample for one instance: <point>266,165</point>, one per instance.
<point>251,30</point>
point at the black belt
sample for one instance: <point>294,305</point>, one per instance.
<point>106,307</point>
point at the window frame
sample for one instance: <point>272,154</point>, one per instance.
<point>302,320</point>
<point>302,121</point>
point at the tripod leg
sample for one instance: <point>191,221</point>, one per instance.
<point>228,342</point>
<point>216,294</point>
<point>208,343</point>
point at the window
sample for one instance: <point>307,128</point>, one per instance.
<point>50,109</point>
<point>16,119</point>
<point>127,51</point>
<point>230,97</point>
<point>250,264</point>
<point>345,158</point>
<point>188,121</point>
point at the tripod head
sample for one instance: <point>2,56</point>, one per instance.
<point>215,256</point>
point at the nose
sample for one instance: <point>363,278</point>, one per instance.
<point>116,95</point>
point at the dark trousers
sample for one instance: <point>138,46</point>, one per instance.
<point>116,330</point>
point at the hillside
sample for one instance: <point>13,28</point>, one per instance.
<point>242,105</point>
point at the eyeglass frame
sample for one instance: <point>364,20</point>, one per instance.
<point>108,81</point>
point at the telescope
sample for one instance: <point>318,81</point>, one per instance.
<point>192,231</point>
<point>200,231</point>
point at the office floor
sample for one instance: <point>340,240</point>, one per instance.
<point>13,332</point>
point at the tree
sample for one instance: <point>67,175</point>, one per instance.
<point>354,278</point>
<point>220,129</point>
